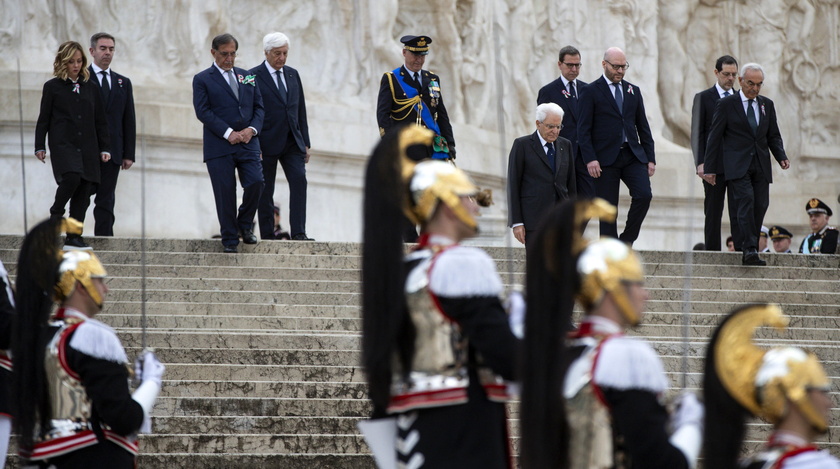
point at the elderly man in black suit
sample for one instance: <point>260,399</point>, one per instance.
<point>616,142</point>
<point>726,71</point>
<point>118,101</point>
<point>744,131</point>
<point>564,92</point>
<point>541,172</point>
<point>285,136</point>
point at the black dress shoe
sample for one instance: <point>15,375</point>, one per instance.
<point>302,237</point>
<point>248,237</point>
<point>751,258</point>
<point>231,249</point>
<point>74,241</point>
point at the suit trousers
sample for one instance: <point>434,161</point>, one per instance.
<point>713,211</point>
<point>77,191</point>
<point>583,180</point>
<point>634,173</point>
<point>103,210</point>
<point>751,196</point>
<point>223,178</point>
<point>293,162</point>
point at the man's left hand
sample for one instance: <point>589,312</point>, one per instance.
<point>245,135</point>
<point>306,158</point>
<point>126,164</point>
<point>651,169</point>
<point>106,157</point>
<point>785,164</point>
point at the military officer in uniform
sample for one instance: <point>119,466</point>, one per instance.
<point>784,386</point>
<point>409,94</point>
<point>781,238</point>
<point>823,238</point>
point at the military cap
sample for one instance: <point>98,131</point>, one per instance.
<point>817,206</point>
<point>779,232</point>
<point>417,44</point>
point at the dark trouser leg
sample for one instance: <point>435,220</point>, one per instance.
<point>606,187</point>
<point>80,201</point>
<point>585,183</point>
<point>251,178</point>
<point>733,215</point>
<point>66,188</point>
<point>713,210</point>
<point>294,167</point>
<point>266,205</point>
<point>741,190</point>
<point>635,176</point>
<point>761,197</point>
<point>223,179</point>
<point>103,210</point>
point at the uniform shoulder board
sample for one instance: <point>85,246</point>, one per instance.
<point>99,341</point>
<point>626,363</point>
<point>463,271</point>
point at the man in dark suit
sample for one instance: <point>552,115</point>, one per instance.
<point>409,94</point>
<point>616,142</point>
<point>564,92</point>
<point>744,131</point>
<point>726,71</point>
<point>118,101</point>
<point>541,172</point>
<point>284,137</point>
<point>229,104</point>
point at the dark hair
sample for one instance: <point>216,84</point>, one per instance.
<point>37,275</point>
<point>550,285</point>
<point>223,39</point>
<point>96,37</point>
<point>725,60</point>
<point>729,239</point>
<point>699,247</point>
<point>726,420</point>
<point>568,50</point>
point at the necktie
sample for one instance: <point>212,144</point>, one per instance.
<point>281,83</point>
<point>619,99</point>
<point>751,116</point>
<point>573,89</point>
<point>551,155</point>
<point>726,93</point>
<point>233,85</point>
<point>106,86</point>
<point>418,80</point>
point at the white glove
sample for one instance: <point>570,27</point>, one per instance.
<point>147,367</point>
<point>515,305</point>
<point>687,422</point>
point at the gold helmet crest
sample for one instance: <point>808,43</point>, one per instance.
<point>80,266</point>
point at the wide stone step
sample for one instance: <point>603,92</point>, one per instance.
<point>284,443</point>
<point>239,296</point>
<point>235,284</point>
<point>255,425</point>
<point>233,272</point>
<point>356,389</point>
<point>230,406</point>
<point>234,372</point>
<point>200,308</point>
<point>160,339</point>
<point>260,460</point>
<point>254,356</point>
<point>233,323</point>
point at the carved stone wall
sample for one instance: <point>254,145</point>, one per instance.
<point>492,55</point>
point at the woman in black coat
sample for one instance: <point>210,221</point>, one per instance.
<point>74,116</point>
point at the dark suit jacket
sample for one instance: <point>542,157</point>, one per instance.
<point>532,188</point>
<point>120,111</point>
<point>283,116</point>
<point>599,129</point>
<point>702,112</point>
<point>77,128</point>
<point>385,104</point>
<point>732,144</point>
<point>553,93</point>
<point>218,109</point>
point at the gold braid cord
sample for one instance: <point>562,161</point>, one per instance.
<point>737,359</point>
<point>405,104</point>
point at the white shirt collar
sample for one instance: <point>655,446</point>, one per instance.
<point>542,140</point>
<point>222,71</point>
<point>440,240</point>
<point>566,82</point>
<point>602,325</point>
<point>271,69</point>
<point>609,83</point>
<point>96,69</point>
<point>720,90</point>
<point>744,99</point>
<point>68,311</point>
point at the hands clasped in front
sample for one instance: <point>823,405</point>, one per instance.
<point>243,136</point>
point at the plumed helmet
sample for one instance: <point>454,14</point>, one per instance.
<point>82,267</point>
<point>761,380</point>
<point>604,267</point>
<point>435,181</point>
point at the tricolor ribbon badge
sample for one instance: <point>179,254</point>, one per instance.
<point>248,80</point>
<point>762,110</point>
<point>630,89</point>
<point>566,94</point>
<point>119,82</point>
<point>76,88</point>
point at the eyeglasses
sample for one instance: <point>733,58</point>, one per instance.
<point>577,65</point>
<point>226,54</point>
<point>729,74</point>
<point>619,67</point>
<point>553,126</point>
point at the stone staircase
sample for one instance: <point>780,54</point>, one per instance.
<point>262,347</point>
